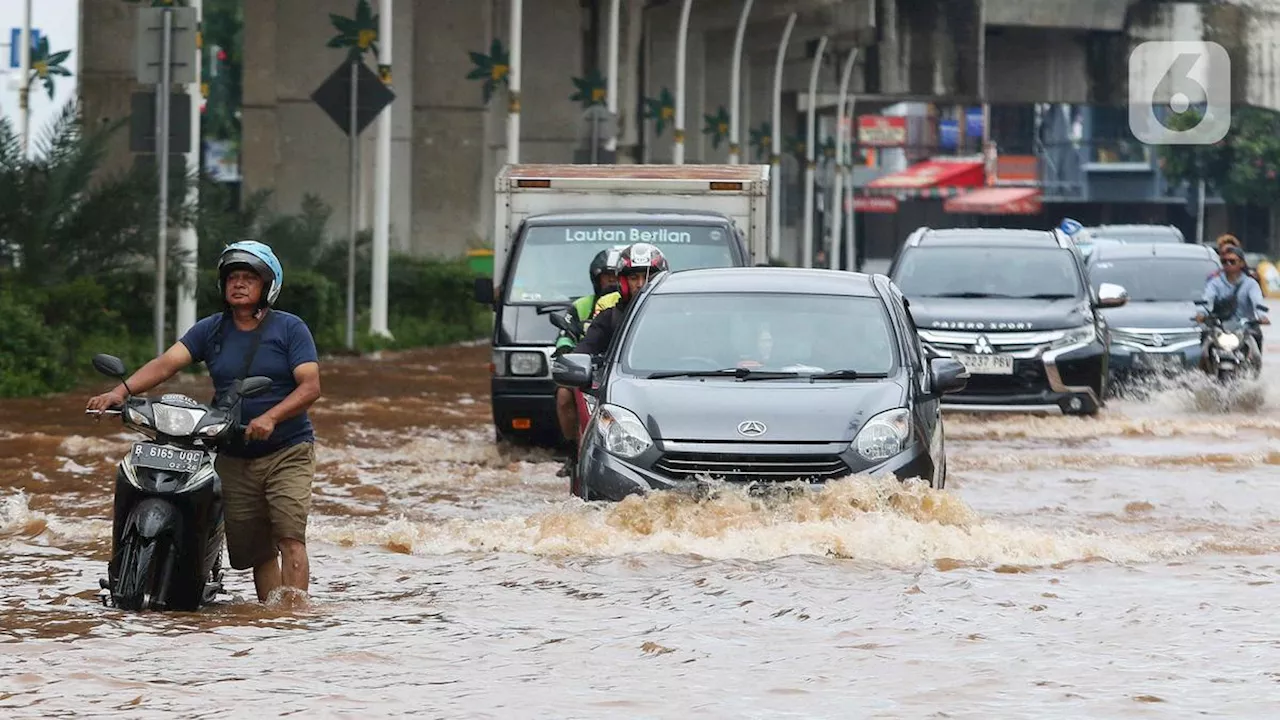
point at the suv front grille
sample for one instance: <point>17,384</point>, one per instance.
<point>1027,377</point>
<point>752,468</point>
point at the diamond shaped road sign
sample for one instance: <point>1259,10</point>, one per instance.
<point>334,96</point>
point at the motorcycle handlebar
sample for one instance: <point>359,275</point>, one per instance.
<point>108,411</point>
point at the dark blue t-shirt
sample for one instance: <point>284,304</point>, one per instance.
<point>286,344</point>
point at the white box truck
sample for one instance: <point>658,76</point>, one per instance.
<point>551,220</point>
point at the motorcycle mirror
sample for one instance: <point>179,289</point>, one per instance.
<point>563,321</point>
<point>109,365</point>
<point>254,386</point>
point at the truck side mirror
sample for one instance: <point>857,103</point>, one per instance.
<point>484,291</point>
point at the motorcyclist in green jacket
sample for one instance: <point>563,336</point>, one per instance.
<point>604,280</point>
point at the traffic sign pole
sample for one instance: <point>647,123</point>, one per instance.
<point>24,88</point>
<point>162,161</point>
<point>352,96</point>
<point>353,138</point>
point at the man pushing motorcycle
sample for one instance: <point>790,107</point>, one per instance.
<point>636,265</point>
<point>267,476</point>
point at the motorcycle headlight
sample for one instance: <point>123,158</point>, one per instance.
<point>176,421</point>
<point>884,435</point>
<point>1227,341</point>
<point>622,432</point>
<point>1076,336</point>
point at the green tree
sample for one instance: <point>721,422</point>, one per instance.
<point>1243,167</point>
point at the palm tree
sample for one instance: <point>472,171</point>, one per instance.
<point>62,219</point>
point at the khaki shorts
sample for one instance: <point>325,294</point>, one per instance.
<point>266,500</point>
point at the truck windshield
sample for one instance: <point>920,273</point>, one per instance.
<point>551,261</point>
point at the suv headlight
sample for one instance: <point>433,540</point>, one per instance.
<point>884,435</point>
<point>622,432</point>
<point>1075,336</point>
<point>1227,341</point>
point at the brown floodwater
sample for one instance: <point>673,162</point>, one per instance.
<point>1122,566</point>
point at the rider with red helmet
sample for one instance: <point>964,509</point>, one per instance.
<point>637,265</point>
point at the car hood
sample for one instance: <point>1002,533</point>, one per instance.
<point>712,409</point>
<point>932,313</point>
<point>1152,315</point>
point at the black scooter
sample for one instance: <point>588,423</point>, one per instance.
<point>167,532</point>
<point>1228,347</point>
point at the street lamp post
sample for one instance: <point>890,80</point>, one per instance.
<point>809,152</point>
<point>837,189</point>
<point>682,47</point>
<point>735,87</point>
<point>775,145</point>
<point>611,83</point>
<point>513,83</point>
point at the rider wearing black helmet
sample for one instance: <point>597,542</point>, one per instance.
<point>604,281</point>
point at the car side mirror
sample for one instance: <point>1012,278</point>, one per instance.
<point>483,291</point>
<point>572,370</point>
<point>254,386</point>
<point>109,365</point>
<point>1111,295</point>
<point>948,375</point>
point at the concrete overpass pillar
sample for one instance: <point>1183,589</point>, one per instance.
<point>106,80</point>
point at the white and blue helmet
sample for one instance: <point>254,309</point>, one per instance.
<point>261,259</point>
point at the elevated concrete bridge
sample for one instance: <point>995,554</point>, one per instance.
<point>447,143</point>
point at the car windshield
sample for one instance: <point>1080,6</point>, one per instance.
<point>768,332</point>
<point>1137,236</point>
<point>1002,272</point>
<point>551,265</point>
<point>1153,279</point>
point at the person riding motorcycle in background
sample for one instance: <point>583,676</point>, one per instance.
<point>637,264</point>
<point>604,281</point>
<point>1234,288</point>
<point>1227,240</point>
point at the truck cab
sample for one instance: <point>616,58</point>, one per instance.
<point>546,236</point>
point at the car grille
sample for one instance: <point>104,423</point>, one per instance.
<point>1017,344</point>
<point>1147,339</point>
<point>752,468</point>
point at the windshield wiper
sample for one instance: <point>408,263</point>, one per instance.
<point>847,374</point>
<point>737,372</point>
<point>1048,296</point>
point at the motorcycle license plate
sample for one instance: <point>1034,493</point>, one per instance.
<point>160,457</point>
<point>987,364</point>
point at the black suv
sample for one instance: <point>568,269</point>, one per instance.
<point>1015,308</point>
<point>760,375</point>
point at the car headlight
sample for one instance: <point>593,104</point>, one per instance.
<point>1075,336</point>
<point>622,432</point>
<point>1227,341</point>
<point>526,363</point>
<point>176,421</point>
<point>884,435</point>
